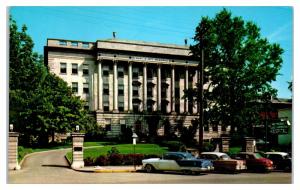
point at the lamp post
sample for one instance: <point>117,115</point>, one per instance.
<point>134,137</point>
<point>11,127</point>
<point>77,128</point>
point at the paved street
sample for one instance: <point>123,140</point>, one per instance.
<point>51,167</point>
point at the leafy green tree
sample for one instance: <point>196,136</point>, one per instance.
<point>239,67</point>
<point>40,102</point>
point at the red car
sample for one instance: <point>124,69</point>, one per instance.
<point>254,161</point>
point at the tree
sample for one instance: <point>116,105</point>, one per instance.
<point>239,65</point>
<point>40,102</point>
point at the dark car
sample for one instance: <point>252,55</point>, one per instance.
<point>281,160</point>
<point>255,161</point>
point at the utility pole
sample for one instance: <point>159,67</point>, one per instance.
<point>200,96</point>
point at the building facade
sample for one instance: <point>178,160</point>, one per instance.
<point>122,82</point>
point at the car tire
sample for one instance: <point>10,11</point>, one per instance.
<point>187,172</point>
<point>149,168</point>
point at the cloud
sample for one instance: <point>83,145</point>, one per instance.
<point>279,34</point>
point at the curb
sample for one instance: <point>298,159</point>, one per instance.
<point>115,171</point>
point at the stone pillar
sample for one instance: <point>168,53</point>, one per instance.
<point>249,145</point>
<point>145,86</point>
<point>159,87</point>
<point>195,82</point>
<point>100,84</point>
<point>173,90</point>
<point>186,102</point>
<point>224,144</point>
<point>130,86</point>
<point>77,150</point>
<point>13,151</point>
<point>115,88</point>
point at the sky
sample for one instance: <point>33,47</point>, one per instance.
<point>169,25</point>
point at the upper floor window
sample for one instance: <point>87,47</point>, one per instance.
<point>75,87</point>
<point>62,42</point>
<point>105,71</point>
<point>135,72</point>
<point>85,69</point>
<point>120,72</point>
<point>85,88</point>
<point>105,89</point>
<point>135,90</point>
<point>85,45</point>
<point>121,106</point>
<point>121,90</point>
<point>74,44</point>
<point>74,68</point>
<point>149,73</point>
<point>63,68</point>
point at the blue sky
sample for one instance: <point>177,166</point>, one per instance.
<point>154,24</point>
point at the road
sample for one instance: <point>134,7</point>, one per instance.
<point>52,168</point>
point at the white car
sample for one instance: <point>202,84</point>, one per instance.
<point>177,161</point>
<point>223,162</point>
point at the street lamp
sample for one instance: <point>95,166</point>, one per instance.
<point>134,137</point>
<point>11,127</point>
<point>77,128</point>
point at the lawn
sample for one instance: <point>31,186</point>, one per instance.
<point>123,149</point>
<point>23,151</point>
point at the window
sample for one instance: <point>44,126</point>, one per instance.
<point>177,92</point>
<point>105,106</point>
<point>163,92</point>
<point>85,88</point>
<point>135,72</point>
<point>62,42</point>
<point>164,105</point>
<point>149,91</point>
<point>74,44</point>
<point>105,89</point>
<point>149,74</point>
<point>107,124</point>
<point>149,106</point>
<point>86,105</point>
<point>120,72</point>
<point>206,128</point>
<point>63,68</point>
<point>121,90</point>
<point>85,69</point>
<point>177,107</point>
<point>135,107</point>
<point>74,68</point>
<point>85,45</point>
<point>135,90</point>
<point>121,106</point>
<point>105,71</point>
<point>74,87</point>
<point>215,128</point>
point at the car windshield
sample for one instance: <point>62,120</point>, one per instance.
<point>225,157</point>
<point>189,156</point>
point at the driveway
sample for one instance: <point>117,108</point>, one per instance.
<point>52,168</point>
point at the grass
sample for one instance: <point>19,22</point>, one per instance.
<point>23,151</point>
<point>123,149</point>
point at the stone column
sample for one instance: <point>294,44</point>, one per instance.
<point>130,86</point>
<point>159,87</point>
<point>13,151</point>
<point>173,90</point>
<point>100,85</point>
<point>77,150</point>
<point>145,86</point>
<point>195,82</point>
<point>115,88</point>
<point>224,144</point>
<point>249,144</point>
<point>186,102</point>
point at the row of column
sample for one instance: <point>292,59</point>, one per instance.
<point>130,106</point>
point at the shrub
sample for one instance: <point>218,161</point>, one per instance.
<point>115,159</point>
<point>208,147</point>
<point>173,145</point>
<point>102,161</point>
<point>128,159</point>
<point>88,161</point>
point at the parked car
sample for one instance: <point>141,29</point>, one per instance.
<point>177,161</point>
<point>255,161</point>
<point>222,162</point>
<point>281,160</point>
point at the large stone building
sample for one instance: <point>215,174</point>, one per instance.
<point>123,82</point>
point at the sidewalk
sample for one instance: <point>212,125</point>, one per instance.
<point>109,169</point>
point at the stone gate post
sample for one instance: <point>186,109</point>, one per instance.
<point>13,151</point>
<point>77,150</point>
<point>224,144</point>
<point>249,145</point>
